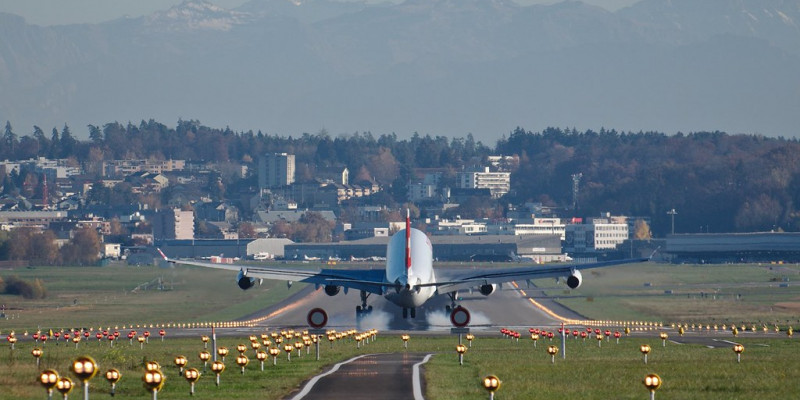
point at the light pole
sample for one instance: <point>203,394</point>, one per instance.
<point>191,375</point>
<point>672,213</point>
<point>738,349</point>
<point>113,376</point>
<point>645,349</point>
<point>461,349</point>
<point>154,381</point>
<point>48,378</point>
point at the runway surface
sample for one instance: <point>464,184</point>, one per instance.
<point>507,307</point>
<point>384,376</point>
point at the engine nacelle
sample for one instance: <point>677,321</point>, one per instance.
<point>245,282</point>
<point>332,290</point>
<point>488,289</point>
<point>574,280</point>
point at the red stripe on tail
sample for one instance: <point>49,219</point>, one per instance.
<point>408,239</point>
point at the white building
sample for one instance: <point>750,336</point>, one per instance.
<point>542,226</point>
<point>275,170</point>
<point>601,234</point>
<point>498,183</point>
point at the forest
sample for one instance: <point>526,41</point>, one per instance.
<point>717,182</point>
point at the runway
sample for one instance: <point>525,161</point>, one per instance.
<point>507,307</point>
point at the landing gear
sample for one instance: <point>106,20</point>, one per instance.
<point>453,296</point>
<point>363,309</point>
<point>413,312</point>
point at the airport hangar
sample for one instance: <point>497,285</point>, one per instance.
<point>733,247</point>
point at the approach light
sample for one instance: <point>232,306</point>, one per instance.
<point>192,375</point>
<point>113,376</point>
<point>738,349</point>
<point>652,382</point>
<point>645,349</point>
<point>491,383</point>
<point>217,367</point>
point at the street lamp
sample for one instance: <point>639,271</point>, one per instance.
<point>470,337</point>
<point>738,349</point>
<point>204,338</point>
<point>48,378</point>
<point>85,369</point>
<point>491,383</point>
<point>652,382</point>
<point>664,338</point>
<point>191,375</point>
<point>154,381</point>
<point>599,338</point>
<point>535,338</point>
<point>405,338</point>
<point>461,349</point>
<point>241,348</point>
<point>672,213</point>
<point>645,349</point>
<point>113,376</point>
<point>288,349</point>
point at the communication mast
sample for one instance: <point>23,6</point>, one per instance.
<point>576,180</point>
<point>45,205</point>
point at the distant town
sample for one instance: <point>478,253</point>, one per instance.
<point>69,213</point>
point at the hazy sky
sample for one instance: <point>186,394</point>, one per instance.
<point>55,12</point>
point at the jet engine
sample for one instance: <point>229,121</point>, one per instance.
<point>574,280</point>
<point>488,289</point>
<point>244,281</point>
<point>332,290</point>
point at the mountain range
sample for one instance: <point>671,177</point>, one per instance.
<point>446,67</point>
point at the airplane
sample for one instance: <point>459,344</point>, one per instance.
<point>409,279</point>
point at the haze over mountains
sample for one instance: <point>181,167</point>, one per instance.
<point>445,67</point>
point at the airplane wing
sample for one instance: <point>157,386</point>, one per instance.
<point>452,280</point>
<point>368,280</point>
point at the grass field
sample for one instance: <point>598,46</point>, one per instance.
<point>687,293</point>
<point>108,296</point>
<point>614,371</point>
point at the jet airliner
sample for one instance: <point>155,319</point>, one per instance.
<point>409,279</point>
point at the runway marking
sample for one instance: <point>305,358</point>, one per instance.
<point>543,308</point>
<point>415,382</point>
<point>307,389</point>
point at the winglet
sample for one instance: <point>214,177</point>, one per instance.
<point>164,256</point>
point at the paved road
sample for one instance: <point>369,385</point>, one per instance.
<point>373,376</point>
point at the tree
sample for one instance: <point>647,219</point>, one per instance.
<point>641,230</point>
<point>247,230</point>
<point>9,140</point>
<point>83,248</point>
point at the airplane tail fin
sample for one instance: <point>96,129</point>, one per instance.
<point>408,239</point>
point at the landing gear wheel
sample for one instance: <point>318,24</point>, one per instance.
<point>448,309</point>
<point>413,313</point>
<point>405,313</point>
<point>369,309</point>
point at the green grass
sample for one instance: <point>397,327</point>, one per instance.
<point>767,371</point>
<point>620,293</point>
<point>613,371</point>
<point>107,296</point>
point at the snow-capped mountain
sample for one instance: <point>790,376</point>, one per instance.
<point>431,66</point>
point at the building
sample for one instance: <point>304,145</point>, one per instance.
<point>174,224</point>
<point>598,236</point>
<point>734,247</point>
<point>275,170</point>
<point>498,183</point>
